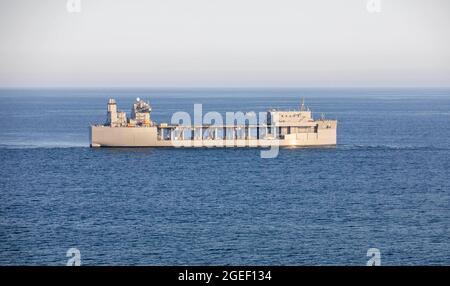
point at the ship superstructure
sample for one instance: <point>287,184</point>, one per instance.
<point>283,128</point>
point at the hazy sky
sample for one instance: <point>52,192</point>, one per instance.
<point>235,43</point>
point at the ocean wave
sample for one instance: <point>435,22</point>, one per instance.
<point>338,147</point>
<point>43,145</point>
<point>390,147</point>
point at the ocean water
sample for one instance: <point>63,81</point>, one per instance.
<point>386,185</point>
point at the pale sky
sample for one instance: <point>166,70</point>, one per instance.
<point>224,43</point>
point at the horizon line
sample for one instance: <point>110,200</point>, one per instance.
<point>226,87</point>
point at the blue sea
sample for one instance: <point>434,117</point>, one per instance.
<point>386,185</point>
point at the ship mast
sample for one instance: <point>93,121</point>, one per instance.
<point>302,105</point>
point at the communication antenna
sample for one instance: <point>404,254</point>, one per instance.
<point>302,106</point>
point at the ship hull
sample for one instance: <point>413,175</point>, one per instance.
<point>105,136</point>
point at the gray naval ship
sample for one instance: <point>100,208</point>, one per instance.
<point>281,128</point>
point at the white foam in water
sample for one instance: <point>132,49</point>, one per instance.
<point>43,144</point>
